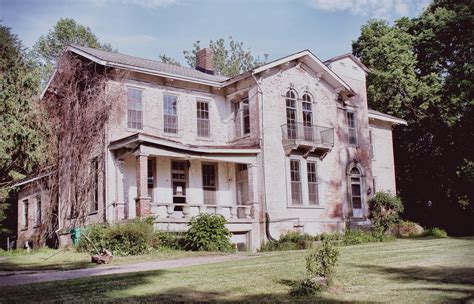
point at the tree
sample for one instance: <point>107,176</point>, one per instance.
<point>21,136</point>
<point>422,70</point>
<point>170,60</point>
<point>229,60</point>
<point>66,31</point>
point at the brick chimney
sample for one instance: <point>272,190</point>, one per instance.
<point>205,61</point>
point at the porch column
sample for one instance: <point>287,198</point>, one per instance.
<point>253,189</point>
<point>142,201</point>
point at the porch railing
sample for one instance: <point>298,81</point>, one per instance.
<point>308,133</point>
<point>187,210</point>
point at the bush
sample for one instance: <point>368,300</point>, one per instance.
<point>384,211</point>
<point>278,246</point>
<point>307,287</point>
<point>169,240</point>
<point>207,232</point>
<point>435,232</point>
<point>292,240</point>
<point>408,229</point>
<point>134,237</point>
<point>322,261</point>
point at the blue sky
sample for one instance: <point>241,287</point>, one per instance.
<point>147,28</point>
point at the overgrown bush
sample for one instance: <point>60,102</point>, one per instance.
<point>171,240</point>
<point>292,240</point>
<point>435,232</point>
<point>384,211</point>
<point>134,237</point>
<point>407,229</point>
<point>207,232</point>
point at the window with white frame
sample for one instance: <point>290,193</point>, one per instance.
<point>24,216</point>
<point>371,139</point>
<point>38,214</point>
<point>313,197</point>
<point>241,117</point>
<point>134,109</point>
<point>352,128</point>
<point>291,114</point>
<point>203,123</point>
<point>209,183</point>
<point>307,107</point>
<point>94,205</point>
<point>170,111</point>
<point>356,189</point>
<point>295,174</point>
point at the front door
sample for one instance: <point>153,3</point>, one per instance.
<point>356,193</point>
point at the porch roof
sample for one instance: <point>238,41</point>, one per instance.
<point>136,139</point>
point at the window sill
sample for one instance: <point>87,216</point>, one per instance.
<point>93,213</point>
<point>24,228</point>
<point>304,207</point>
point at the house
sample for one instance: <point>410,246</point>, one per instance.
<point>290,145</point>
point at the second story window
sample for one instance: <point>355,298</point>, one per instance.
<point>203,123</point>
<point>352,128</point>
<point>307,116</point>
<point>134,109</point>
<point>291,126</point>
<point>170,114</point>
<point>241,117</point>
<point>371,139</point>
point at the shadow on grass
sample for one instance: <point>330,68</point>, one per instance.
<point>7,266</point>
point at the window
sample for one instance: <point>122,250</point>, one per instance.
<point>209,183</point>
<point>356,191</point>
<point>307,117</point>
<point>291,121</point>
<point>135,109</point>
<point>150,176</point>
<point>371,139</point>
<point>24,217</point>
<point>312,183</point>
<point>170,114</point>
<point>242,184</point>
<point>241,117</point>
<point>203,123</point>
<point>38,211</point>
<point>94,207</point>
<point>295,182</point>
<point>351,124</point>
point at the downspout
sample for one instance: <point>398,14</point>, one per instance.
<point>262,145</point>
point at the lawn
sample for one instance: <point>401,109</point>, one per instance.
<point>407,270</point>
<point>49,259</point>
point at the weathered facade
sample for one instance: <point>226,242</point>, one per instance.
<point>287,146</point>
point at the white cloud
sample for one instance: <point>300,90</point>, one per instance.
<point>372,8</point>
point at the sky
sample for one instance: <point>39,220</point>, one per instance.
<point>148,28</point>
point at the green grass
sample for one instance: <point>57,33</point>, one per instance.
<point>417,270</point>
<point>49,259</point>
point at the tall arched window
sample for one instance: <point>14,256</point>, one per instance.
<point>307,116</point>
<point>291,114</point>
<point>356,194</point>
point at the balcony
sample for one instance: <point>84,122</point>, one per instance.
<point>307,138</point>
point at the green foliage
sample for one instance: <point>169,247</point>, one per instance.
<point>408,229</point>
<point>278,246</point>
<point>322,261</point>
<point>166,239</point>
<point>50,46</point>
<point>292,240</point>
<point>307,287</point>
<point>435,232</point>
<point>422,70</point>
<point>207,232</point>
<point>230,59</point>
<point>21,132</point>
<point>384,211</point>
<point>168,59</point>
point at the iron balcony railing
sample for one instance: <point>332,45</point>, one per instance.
<point>308,133</point>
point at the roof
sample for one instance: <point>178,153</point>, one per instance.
<point>386,117</point>
<point>112,59</point>
<point>348,55</point>
<point>32,178</point>
<point>306,57</point>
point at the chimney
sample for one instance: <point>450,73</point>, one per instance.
<point>205,61</point>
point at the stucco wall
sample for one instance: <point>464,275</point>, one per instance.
<point>383,165</point>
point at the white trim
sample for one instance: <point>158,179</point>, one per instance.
<point>380,116</point>
<point>48,83</point>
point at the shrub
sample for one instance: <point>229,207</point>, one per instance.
<point>307,287</point>
<point>169,240</point>
<point>292,240</point>
<point>322,261</point>
<point>278,246</point>
<point>384,211</point>
<point>207,232</point>
<point>133,237</point>
<point>435,232</point>
<point>408,229</point>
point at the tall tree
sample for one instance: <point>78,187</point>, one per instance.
<point>21,143</point>
<point>422,70</point>
<point>230,59</point>
<point>66,31</point>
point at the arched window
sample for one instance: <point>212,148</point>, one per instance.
<point>291,114</point>
<point>307,107</point>
<point>356,194</point>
